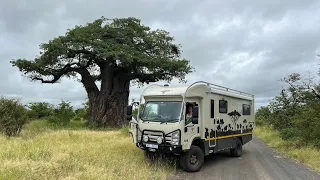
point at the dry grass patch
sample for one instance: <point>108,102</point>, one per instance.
<point>307,155</point>
<point>76,154</point>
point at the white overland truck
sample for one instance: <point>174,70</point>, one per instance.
<point>192,121</point>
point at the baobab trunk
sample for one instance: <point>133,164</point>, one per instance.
<point>108,108</point>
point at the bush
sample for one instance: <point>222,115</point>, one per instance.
<point>40,110</point>
<point>288,133</point>
<point>81,113</point>
<point>62,114</point>
<point>13,116</point>
<point>307,124</point>
<point>263,116</point>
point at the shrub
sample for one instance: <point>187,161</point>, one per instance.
<point>81,113</point>
<point>40,110</point>
<point>288,133</point>
<point>13,116</point>
<point>62,114</point>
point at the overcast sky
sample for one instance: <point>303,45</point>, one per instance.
<point>243,44</point>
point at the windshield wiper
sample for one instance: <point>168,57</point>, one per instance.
<point>171,120</point>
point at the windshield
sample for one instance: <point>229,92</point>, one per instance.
<point>162,111</point>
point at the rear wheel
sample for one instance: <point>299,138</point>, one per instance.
<point>192,160</point>
<point>237,151</point>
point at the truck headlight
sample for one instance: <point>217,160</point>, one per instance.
<point>145,138</point>
<point>159,140</point>
<point>175,138</point>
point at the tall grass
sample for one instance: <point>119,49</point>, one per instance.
<point>308,155</point>
<point>44,152</point>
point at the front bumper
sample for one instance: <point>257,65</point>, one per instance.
<point>162,148</point>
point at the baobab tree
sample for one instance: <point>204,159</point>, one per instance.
<point>115,52</point>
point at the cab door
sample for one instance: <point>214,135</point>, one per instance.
<point>192,129</point>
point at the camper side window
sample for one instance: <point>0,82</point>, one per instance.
<point>246,109</point>
<point>212,109</point>
<point>223,106</point>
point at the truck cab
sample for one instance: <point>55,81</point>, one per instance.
<point>174,120</point>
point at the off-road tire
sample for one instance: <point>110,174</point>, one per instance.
<point>237,151</point>
<point>187,161</point>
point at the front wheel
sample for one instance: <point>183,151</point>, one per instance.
<point>237,151</point>
<point>192,160</point>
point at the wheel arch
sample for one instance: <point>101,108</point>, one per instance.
<point>200,143</point>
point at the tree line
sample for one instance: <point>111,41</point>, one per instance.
<point>295,112</point>
<point>14,115</point>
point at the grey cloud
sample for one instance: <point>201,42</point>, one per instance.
<point>245,45</point>
<point>19,16</point>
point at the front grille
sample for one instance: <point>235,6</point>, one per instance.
<point>154,135</point>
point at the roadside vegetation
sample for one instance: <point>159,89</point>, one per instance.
<point>56,142</point>
<point>308,155</point>
<point>291,122</point>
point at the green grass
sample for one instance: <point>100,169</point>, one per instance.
<point>307,155</point>
<point>46,152</point>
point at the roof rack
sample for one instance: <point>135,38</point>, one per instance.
<point>218,87</point>
<point>210,85</point>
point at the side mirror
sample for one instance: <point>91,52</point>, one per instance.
<point>195,115</point>
<point>129,112</point>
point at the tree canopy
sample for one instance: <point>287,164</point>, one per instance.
<point>133,49</point>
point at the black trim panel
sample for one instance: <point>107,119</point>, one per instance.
<point>246,139</point>
<point>226,143</point>
<point>205,146</point>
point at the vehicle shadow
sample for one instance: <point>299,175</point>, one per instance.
<point>211,161</point>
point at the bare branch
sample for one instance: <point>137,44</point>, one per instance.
<point>57,74</point>
<point>315,93</point>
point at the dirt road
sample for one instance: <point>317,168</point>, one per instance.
<point>258,161</point>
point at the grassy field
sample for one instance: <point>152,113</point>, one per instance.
<point>307,155</point>
<point>44,152</point>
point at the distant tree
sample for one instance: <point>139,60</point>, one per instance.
<point>302,89</point>
<point>63,113</point>
<point>263,115</point>
<point>40,109</point>
<point>114,52</point>
<point>82,113</point>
